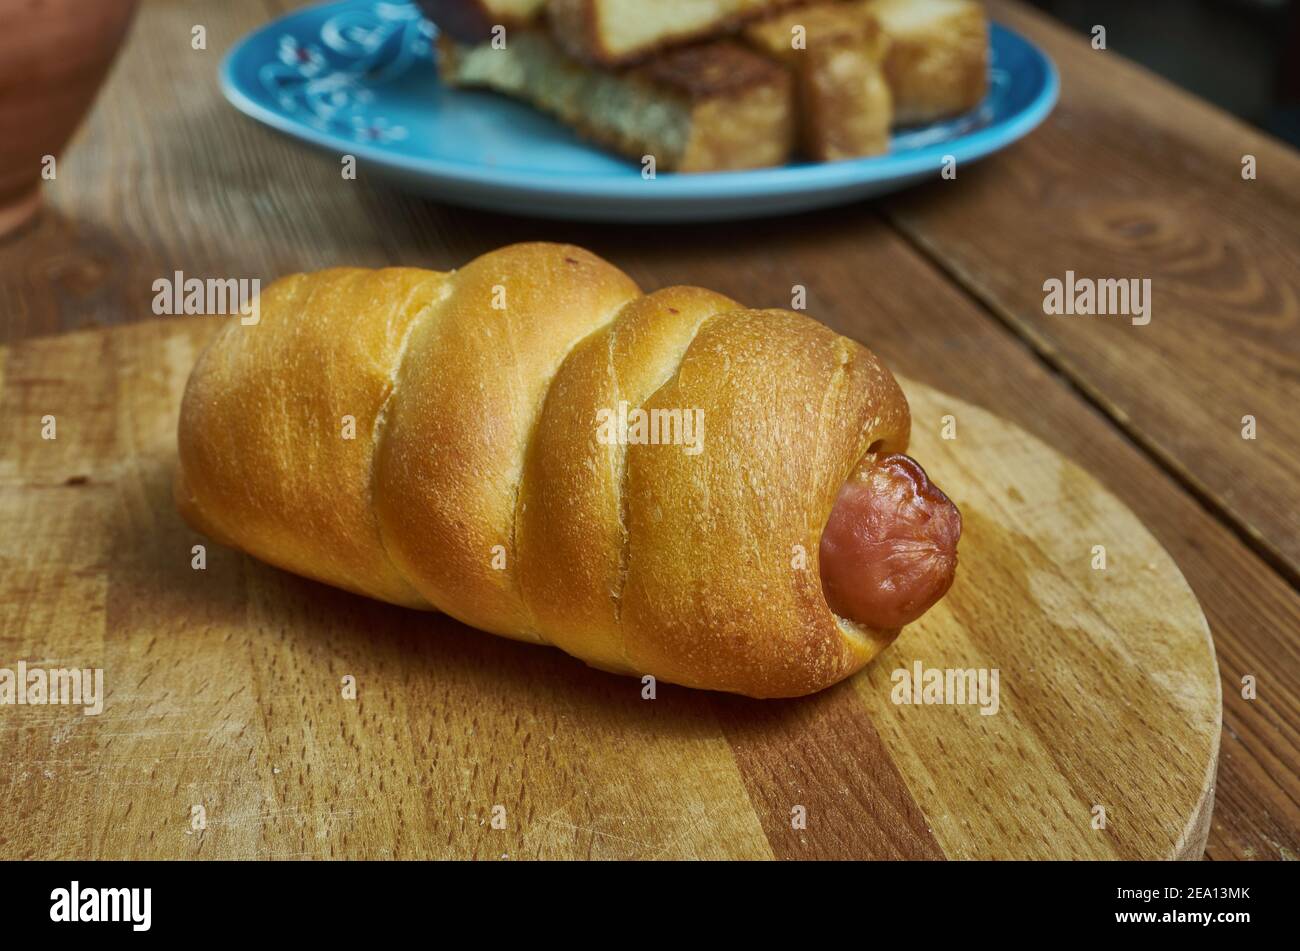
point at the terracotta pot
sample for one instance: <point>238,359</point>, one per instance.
<point>54,55</point>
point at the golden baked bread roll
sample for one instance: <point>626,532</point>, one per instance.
<point>448,441</point>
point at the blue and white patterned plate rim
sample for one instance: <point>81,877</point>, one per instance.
<point>903,161</point>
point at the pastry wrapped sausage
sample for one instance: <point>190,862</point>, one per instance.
<point>657,484</point>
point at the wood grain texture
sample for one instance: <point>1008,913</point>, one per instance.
<point>224,684</point>
<point>167,176</point>
<point>1134,178</point>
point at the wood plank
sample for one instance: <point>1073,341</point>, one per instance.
<point>1134,178</point>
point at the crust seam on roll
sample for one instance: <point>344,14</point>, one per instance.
<point>625,550</point>
<point>524,455</point>
<point>620,484</point>
<point>381,418</point>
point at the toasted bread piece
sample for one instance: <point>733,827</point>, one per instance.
<point>702,108</point>
<point>621,31</point>
<point>835,55</point>
<point>471,21</point>
<point>937,65</point>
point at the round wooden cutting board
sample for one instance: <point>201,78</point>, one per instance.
<point>1110,695</point>
<point>227,732</point>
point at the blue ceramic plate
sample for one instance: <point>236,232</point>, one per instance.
<point>358,77</point>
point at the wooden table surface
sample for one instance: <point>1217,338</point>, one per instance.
<point>1130,177</point>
